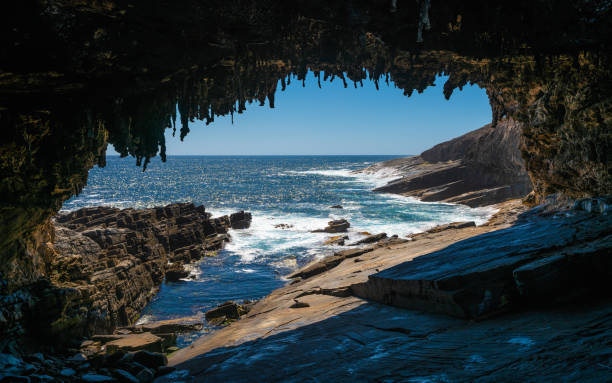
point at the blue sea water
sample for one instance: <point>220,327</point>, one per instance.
<point>293,190</point>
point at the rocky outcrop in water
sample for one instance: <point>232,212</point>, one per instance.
<point>335,226</point>
<point>480,168</point>
<point>106,264</point>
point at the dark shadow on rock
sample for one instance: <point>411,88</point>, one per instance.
<point>379,343</point>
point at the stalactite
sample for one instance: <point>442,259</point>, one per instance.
<point>423,22</point>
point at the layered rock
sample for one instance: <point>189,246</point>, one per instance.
<point>77,75</point>
<point>322,312</point>
<point>480,168</point>
<point>335,226</point>
<point>543,258</point>
<point>106,264</point>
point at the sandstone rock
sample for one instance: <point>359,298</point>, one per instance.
<point>337,226</point>
<point>283,226</point>
<point>441,228</point>
<point>229,310</point>
<point>337,240</point>
<point>135,342</point>
<point>370,239</point>
<point>327,263</point>
<point>177,325</point>
<point>494,271</point>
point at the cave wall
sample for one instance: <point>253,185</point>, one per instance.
<point>76,75</point>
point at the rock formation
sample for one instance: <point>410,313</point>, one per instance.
<point>480,168</point>
<point>76,76</point>
<point>336,226</point>
<point>464,270</point>
<point>105,264</point>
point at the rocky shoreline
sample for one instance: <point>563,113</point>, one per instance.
<point>480,168</point>
<point>519,303</point>
<point>104,266</point>
<point>115,259</point>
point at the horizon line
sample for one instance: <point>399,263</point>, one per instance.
<point>271,155</point>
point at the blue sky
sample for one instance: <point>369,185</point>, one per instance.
<point>335,120</point>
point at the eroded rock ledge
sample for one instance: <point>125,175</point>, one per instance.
<point>320,323</point>
<point>105,264</point>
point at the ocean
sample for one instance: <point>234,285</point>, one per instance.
<point>294,190</point>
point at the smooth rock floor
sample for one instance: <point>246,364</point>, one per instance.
<point>316,330</point>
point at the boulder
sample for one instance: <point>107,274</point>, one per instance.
<point>337,226</point>
<point>240,220</point>
<point>145,375</point>
<point>136,342</point>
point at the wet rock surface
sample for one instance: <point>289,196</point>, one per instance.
<point>320,322</point>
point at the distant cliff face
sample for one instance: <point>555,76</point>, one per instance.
<point>77,75</point>
<point>480,168</point>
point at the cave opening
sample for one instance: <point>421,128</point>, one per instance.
<point>330,119</point>
<point>80,76</point>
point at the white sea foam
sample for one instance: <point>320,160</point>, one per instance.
<point>375,179</point>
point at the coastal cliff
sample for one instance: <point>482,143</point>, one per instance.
<point>480,168</point>
<point>105,265</point>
